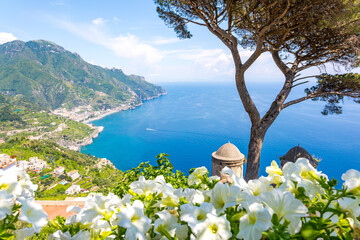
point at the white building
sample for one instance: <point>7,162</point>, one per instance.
<point>73,189</point>
<point>4,157</point>
<point>59,171</point>
<point>33,160</point>
<point>73,174</point>
<point>36,164</point>
<point>104,162</point>
<point>22,165</point>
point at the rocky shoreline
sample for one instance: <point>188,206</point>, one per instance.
<point>98,129</point>
<point>72,145</point>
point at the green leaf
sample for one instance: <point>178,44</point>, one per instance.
<point>308,232</point>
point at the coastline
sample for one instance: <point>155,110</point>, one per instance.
<point>112,111</point>
<point>121,108</point>
<point>99,129</point>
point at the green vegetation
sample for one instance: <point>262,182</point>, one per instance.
<point>74,130</point>
<point>17,113</point>
<point>164,167</point>
<point>52,77</point>
<point>98,180</point>
<point>6,115</point>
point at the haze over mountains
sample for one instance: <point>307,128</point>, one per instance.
<point>49,75</point>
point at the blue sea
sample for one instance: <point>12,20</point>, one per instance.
<point>194,119</point>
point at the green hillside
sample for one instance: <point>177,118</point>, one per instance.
<point>20,117</point>
<point>52,77</point>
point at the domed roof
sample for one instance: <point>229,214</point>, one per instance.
<point>295,153</point>
<point>298,152</point>
<point>228,152</point>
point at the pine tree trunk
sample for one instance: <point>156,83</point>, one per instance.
<point>254,152</point>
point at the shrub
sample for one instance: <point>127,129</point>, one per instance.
<point>164,168</point>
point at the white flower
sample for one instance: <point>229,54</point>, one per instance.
<point>273,169</point>
<point>275,174</point>
<point>222,197</point>
<point>276,179</point>
<point>146,187</point>
<point>6,204</point>
<point>237,181</point>
<point>192,196</point>
<point>171,225</point>
<point>351,205</point>
<point>352,181</point>
<point>214,178</point>
<point>305,175</point>
<point>75,217</point>
<point>286,206</point>
<point>33,213</point>
<point>82,235</point>
<point>254,222</point>
<point>240,190</point>
<point>28,188</point>
<point>213,228</point>
<point>132,217</point>
<point>196,176</point>
<point>258,186</point>
<point>164,186</point>
<point>23,233</point>
<point>355,225</point>
<point>169,199</point>
<point>96,206</point>
<point>193,215</point>
<point>301,168</point>
<point>100,226</point>
<point>9,183</point>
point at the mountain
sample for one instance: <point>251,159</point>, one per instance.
<point>53,77</point>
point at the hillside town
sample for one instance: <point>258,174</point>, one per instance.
<point>36,167</point>
<point>86,113</point>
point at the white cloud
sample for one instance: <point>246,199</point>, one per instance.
<point>126,46</point>
<point>6,37</point>
<point>130,46</point>
<point>213,60</point>
<point>99,21</point>
<point>155,60</point>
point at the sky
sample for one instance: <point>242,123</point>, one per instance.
<point>128,35</point>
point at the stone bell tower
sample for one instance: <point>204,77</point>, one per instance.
<point>228,155</point>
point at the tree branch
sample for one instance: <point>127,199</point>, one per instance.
<point>255,55</point>
<point>191,21</point>
<point>281,65</point>
<point>262,32</point>
<point>295,85</point>
<point>319,94</point>
<point>298,79</point>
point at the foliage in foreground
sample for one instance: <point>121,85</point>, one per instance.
<point>297,202</point>
<point>164,168</point>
